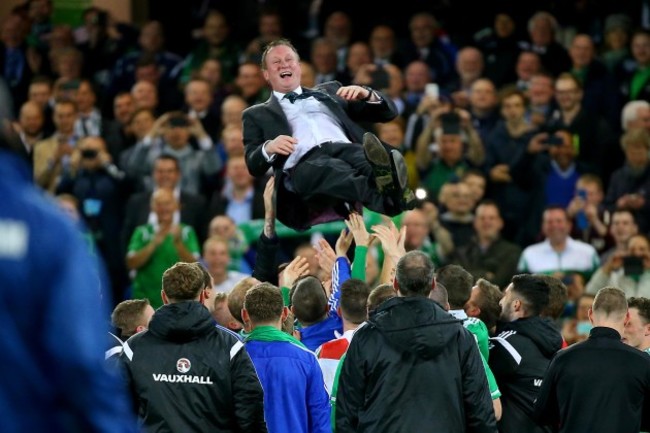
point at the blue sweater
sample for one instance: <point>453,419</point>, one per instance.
<point>295,398</point>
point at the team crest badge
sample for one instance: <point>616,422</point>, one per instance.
<point>183,365</point>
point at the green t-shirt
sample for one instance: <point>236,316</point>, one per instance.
<point>439,174</point>
<point>148,279</point>
<point>640,77</point>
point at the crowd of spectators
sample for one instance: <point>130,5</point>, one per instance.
<point>532,147</point>
<point>526,134</point>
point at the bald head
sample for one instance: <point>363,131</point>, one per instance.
<point>31,118</point>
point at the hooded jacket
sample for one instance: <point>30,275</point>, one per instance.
<point>519,357</point>
<point>187,375</point>
<point>413,368</point>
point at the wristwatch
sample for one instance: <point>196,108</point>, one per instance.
<point>370,93</point>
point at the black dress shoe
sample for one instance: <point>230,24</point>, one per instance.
<point>380,160</point>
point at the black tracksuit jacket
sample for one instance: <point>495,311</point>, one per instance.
<point>186,375</point>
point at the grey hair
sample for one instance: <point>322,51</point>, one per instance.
<point>414,274</point>
<point>628,114</point>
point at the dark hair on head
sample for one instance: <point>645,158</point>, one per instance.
<point>440,295</point>
<point>277,43</point>
<point>168,157</point>
<point>610,301</point>
<point>183,281</point>
<point>308,300</point>
<point>264,304</point>
<point>379,294</point>
<point>558,296</point>
<point>41,79</point>
<point>509,92</point>
<point>458,283</point>
<point>473,172</point>
<point>488,302</point>
<point>643,306</point>
<point>534,291</point>
<point>414,274</point>
<point>625,210</point>
<point>146,59</point>
<point>354,297</point>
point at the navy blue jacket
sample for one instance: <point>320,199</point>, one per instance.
<point>52,337</point>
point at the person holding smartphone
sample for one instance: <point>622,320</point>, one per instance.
<point>628,271</point>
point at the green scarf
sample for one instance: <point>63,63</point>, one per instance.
<point>269,333</point>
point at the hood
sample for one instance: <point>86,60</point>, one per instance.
<point>416,325</point>
<point>181,321</point>
<point>541,330</point>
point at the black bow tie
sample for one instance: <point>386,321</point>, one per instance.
<point>293,96</point>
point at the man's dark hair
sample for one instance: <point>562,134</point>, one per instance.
<point>624,210</point>
<point>440,294</point>
<point>127,315</point>
<point>643,306</point>
<point>610,301</point>
<point>237,295</point>
<point>264,303</point>
<point>354,297</point>
<point>488,302</point>
<point>379,294</point>
<point>458,283</point>
<point>277,43</point>
<point>146,59</point>
<point>308,300</point>
<point>183,281</point>
<point>41,79</point>
<point>558,296</point>
<point>414,274</point>
<point>534,291</point>
<point>168,157</point>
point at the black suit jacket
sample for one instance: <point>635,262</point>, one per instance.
<point>265,121</point>
<point>193,212</point>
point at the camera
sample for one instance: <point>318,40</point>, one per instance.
<point>89,154</point>
<point>554,140</point>
<point>632,265</point>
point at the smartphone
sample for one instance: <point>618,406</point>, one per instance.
<point>632,265</point>
<point>554,140</point>
<point>432,90</point>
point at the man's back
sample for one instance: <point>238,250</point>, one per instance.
<point>519,357</point>
<point>295,398</point>
<point>599,385</point>
<point>187,375</point>
<point>412,357</point>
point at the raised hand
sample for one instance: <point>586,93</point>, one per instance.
<point>343,243</point>
<point>326,256</point>
<point>296,269</point>
<point>357,227</point>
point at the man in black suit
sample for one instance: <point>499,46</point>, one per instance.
<point>166,174</point>
<point>601,384</point>
<point>308,136</point>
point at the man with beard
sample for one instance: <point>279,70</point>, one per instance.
<point>522,350</point>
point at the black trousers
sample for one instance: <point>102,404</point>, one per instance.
<point>339,171</point>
